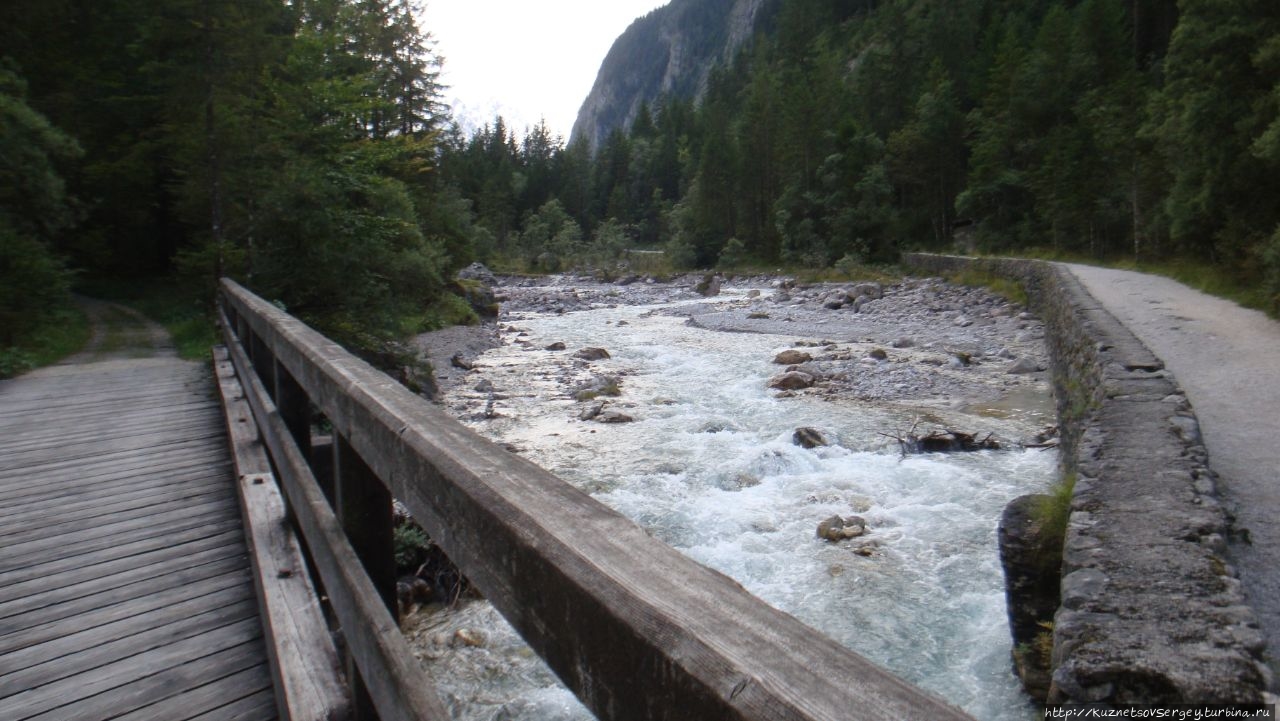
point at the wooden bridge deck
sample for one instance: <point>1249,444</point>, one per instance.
<point>125,588</point>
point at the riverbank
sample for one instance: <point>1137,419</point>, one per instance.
<point>919,343</point>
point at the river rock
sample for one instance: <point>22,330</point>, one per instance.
<point>592,354</point>
<point>837,528</point>
<point>1032,562</point>
<point>1023,365</point>
<point>878,354</point>
<point>791,381</point>
<point>478,272</point>
<point>412,591</point>
<point>809,438</point>
<point>591,411</point>
<point>873,291</point>
<point>613,417</point>
<point>903,342</point>
<point>469,637</point>
<point>460,361</point>
<point>556,346</point>
<point>792,357</point>
<point>709,286</point>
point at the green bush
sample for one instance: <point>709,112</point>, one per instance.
<point>411,544</point>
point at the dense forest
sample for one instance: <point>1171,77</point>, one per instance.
<point>302,146</point>
<point>288,144</point>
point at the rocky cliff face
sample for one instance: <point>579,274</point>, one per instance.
<point>670,50</point>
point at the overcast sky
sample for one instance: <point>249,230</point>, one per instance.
<point>525,59</point>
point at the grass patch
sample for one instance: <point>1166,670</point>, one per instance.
<point>1199,274</point>
<point>1052,513</point>
<point>447,310</point>
<point>1010,290</point>
<point>65,332</point>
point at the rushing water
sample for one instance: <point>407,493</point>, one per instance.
<point>709,467</point>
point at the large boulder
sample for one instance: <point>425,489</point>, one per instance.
<point>1031,556</point>
<point>592,354</point>
<point>809,438</point>
<point>792,357</point>
<point>709,286</point>
<point>791,381</point>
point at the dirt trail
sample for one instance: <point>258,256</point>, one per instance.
<point>1227,359</point>
<point>119,332</point>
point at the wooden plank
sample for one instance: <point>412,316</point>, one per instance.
<point>140,415</point>
<point>142,680</point>
<point>250,684</point>
<point>84,498</point>
<point>92,541</point>
<point>395,680</point>
<point>123,598</point>
<point>112,448</point>
<point>86,428</point>
<point>302,656</point>
<point>77,653</point>
<point>260,706</point>
<point>102,577</point>
<point>135,455</point>
<point>107,478</point>
<point>158,489</point>
<point>19,643</point>
<point>636,629</point>
<point>14,481</point>
<point>120,513</point>
<point>46,558</point>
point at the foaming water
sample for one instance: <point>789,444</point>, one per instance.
<point>709,467</point>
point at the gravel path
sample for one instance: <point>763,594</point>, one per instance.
<point>1227,359</point>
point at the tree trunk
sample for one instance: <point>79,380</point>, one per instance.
<point>211,143</point>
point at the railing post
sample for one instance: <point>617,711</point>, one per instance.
<point>364,508</point>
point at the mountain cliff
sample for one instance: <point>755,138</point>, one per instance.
<point>670,50</point>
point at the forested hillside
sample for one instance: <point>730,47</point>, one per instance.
<point>302,147</point>
<point>852,129</point>
<point>289,144</point>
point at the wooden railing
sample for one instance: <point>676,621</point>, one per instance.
<point>633,627</point>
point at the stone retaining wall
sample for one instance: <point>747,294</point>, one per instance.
<point>1151,609</point>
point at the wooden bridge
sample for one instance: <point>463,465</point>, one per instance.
<point>153,526</point>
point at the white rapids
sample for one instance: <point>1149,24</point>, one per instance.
<point>709,466</point>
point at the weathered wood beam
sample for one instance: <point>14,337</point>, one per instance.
<point>396,683</point>
<point>636,629</point>
<point>304,661</point>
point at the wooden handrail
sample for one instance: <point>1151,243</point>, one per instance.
<point>636,629</point>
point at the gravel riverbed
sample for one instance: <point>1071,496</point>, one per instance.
<point>920,342</point>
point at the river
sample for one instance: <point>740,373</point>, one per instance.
<point>709,466</point>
